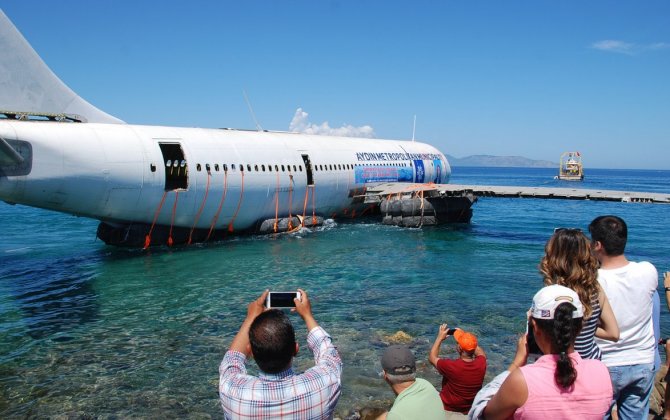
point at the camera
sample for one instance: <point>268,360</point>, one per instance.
<point>451,331</point>
<point>281,299</point>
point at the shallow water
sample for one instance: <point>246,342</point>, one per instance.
<point>87,329</point>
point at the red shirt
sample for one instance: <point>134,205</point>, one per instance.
<point>461,381</point>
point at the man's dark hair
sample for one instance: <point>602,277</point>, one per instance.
<point>272,341</point>
<point>611,232</point>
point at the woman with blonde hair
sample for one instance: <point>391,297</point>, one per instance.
<point>569,262</point>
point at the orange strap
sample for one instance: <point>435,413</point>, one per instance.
<point>202,205</point>
<point>290,205</point>
<point>147,239</point>
<point>218,210</point>
<point>239,204</point>
<point>174,210</point>
<point>313,206</point>
<point>304,206</point>
<point>274,227</point>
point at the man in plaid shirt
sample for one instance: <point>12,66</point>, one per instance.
<point>278,392</point>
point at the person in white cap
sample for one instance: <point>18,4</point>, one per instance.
<point>560,384</point>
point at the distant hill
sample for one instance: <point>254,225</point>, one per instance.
<point>500,161</point>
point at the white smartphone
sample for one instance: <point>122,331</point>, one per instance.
<point>281,299</point>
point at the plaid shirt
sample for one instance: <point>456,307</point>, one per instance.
<point>311,395</point>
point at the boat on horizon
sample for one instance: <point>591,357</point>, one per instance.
<point>570,167</point>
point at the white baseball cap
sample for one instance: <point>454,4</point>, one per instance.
<point>547,299</point>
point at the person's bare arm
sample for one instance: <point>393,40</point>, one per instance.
<point>304,308</point>
<point>608,327</point>
<point>241,341</point>
<point>434,354</point>
<point>512,394</point>
<point>521,356</point>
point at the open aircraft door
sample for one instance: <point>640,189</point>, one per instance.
<point>175,165</point>
<point>308,169</point>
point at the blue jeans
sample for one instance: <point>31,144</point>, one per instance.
<point>632,386</point>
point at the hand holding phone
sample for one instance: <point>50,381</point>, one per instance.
<point>282,299</point>
<point>451,331</point>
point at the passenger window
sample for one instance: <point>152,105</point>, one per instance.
<point>282,168</point>
<point>198,167</point>
<point>300,168</point>
<point>225,167</point>
<point>276,168</point>
<point>249,167</point>
<point>256,168</point>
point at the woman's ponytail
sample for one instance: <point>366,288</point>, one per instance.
<point>563,330</point>
<point>564,335</point>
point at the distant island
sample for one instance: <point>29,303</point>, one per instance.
<point>500,161</point>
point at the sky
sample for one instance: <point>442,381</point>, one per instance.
<point>509,78</point>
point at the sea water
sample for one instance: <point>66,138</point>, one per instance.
<point>92,330</point>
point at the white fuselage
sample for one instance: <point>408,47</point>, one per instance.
<point>120,173</point>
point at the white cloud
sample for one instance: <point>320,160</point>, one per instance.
<point>611,45</point>
<point>658,46</point>
<point>301,124</point>
<point>628,48</point>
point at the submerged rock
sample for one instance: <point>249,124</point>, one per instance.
<point>399,337</point>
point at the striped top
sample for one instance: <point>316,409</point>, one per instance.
<point>585,344</point>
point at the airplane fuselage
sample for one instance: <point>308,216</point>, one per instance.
<point>201,178</point>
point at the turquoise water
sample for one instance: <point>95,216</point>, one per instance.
<point>87,329</point>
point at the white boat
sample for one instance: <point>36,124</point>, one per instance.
<point>571,168</point>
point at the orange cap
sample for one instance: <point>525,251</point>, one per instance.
<point>466,340</point>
